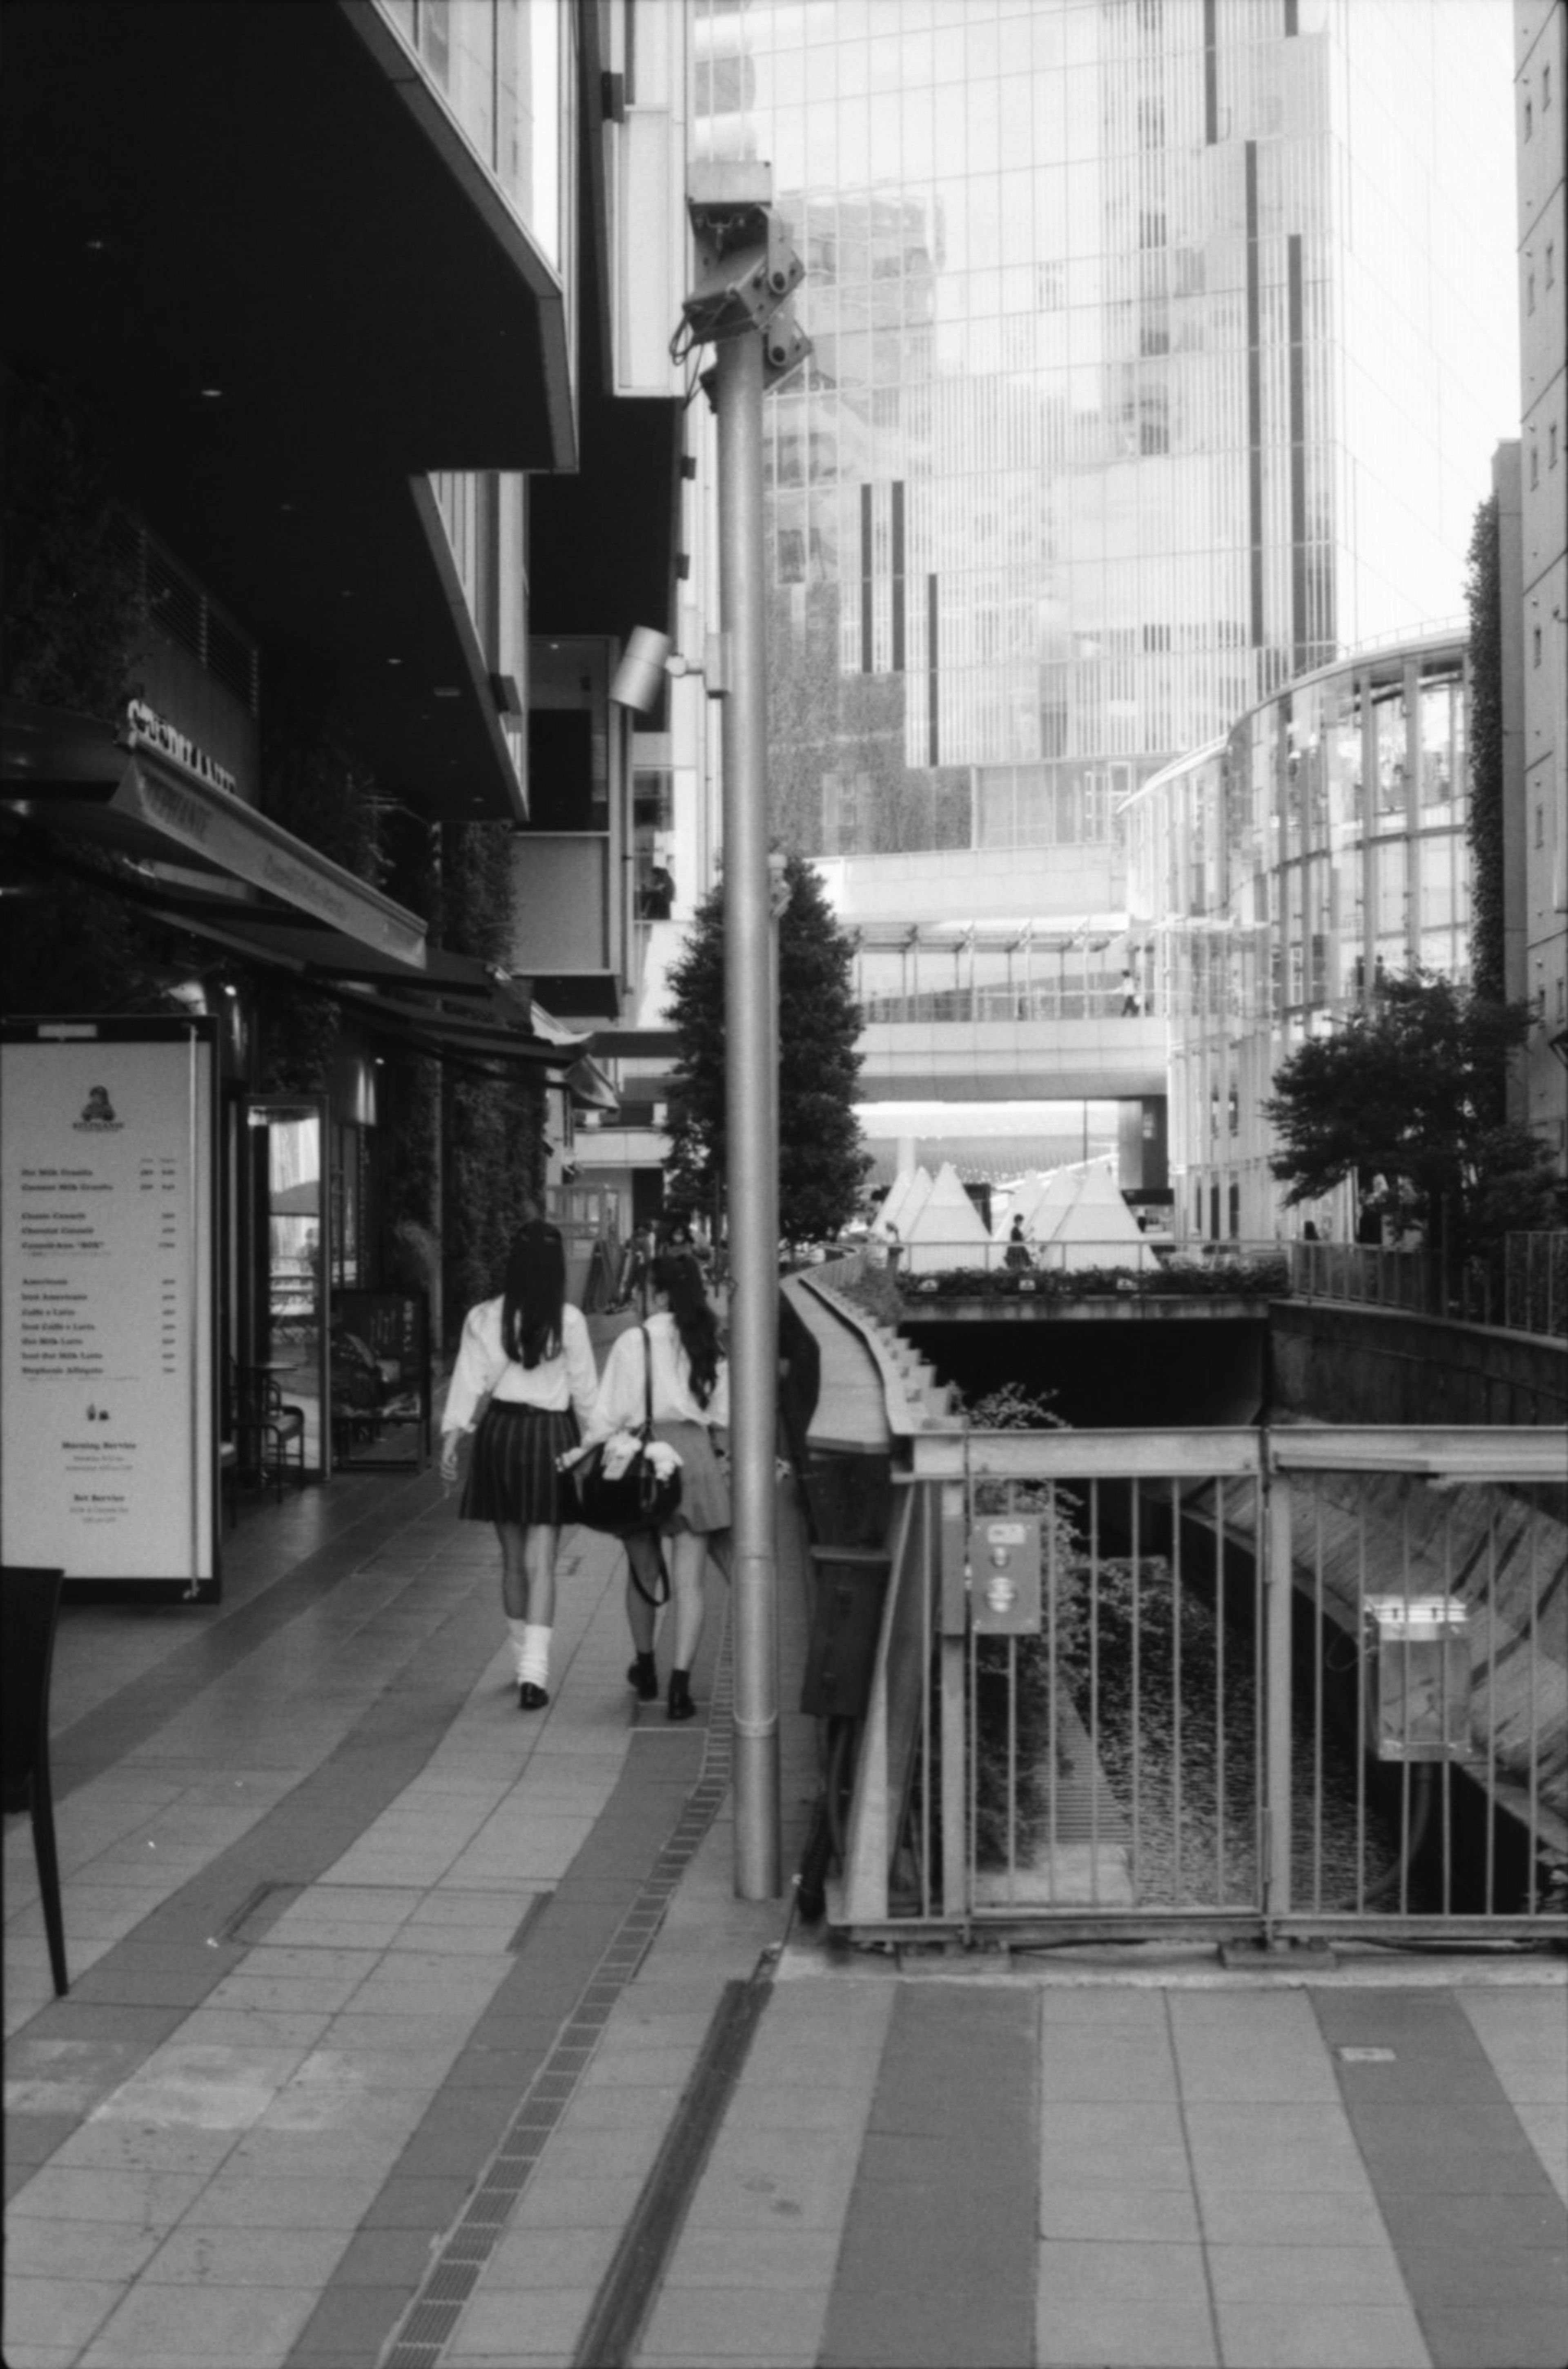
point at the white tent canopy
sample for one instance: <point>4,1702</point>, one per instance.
<point>946,1229</point>
<point>1024,1200</point>
<point>1082,1220</point>
<point>897,1195</point>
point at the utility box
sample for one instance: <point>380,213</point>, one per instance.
<point>1004,1576</point>
<point>852,1586</point>
<point>1418,1691</point>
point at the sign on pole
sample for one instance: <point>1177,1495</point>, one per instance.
<point>109,1429</point>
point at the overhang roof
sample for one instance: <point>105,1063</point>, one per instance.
<point>270,202</point>
<point>204,861</point>
<point>75,777</point>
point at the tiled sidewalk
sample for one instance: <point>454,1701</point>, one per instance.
<point>329,1902</point>
<point>1183,2172</point>
<point>391,2008</point>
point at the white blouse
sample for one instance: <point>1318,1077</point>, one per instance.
<point>621,1404</point>
<point>556,1383</point>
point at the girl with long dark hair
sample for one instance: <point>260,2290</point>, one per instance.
<point>529,1349</point>
<point>690,1410</point>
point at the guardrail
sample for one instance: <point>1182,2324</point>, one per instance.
<point>1037,1001</point>
<point>1525,1291</point>
<point>1153,1263</point>
<point>1249,1683</point>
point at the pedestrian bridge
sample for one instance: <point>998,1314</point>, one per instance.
<point>987,1052</point>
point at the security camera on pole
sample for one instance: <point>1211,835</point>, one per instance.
<point>746,272</point>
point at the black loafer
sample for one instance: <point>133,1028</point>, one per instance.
<point>530,1697</point>
<point>644,1681</point>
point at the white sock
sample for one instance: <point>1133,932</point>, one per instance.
<point>533,1659</point>
<point>518,1632</point>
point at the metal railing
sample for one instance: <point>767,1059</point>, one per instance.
<point>1152,1263</point>
<point>1037,1000</point>
<point>1267,1683</point>
<point>1526,1291</point>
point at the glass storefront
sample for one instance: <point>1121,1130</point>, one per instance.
<point>1321,843</point>
<point>1107,433</point>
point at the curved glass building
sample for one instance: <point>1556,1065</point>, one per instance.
<point>1278,871</point>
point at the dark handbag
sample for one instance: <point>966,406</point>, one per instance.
<point>636,1498</point>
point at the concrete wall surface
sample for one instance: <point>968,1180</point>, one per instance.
<point>1367,1365</point>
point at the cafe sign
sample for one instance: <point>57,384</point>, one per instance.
<point>151,730</point>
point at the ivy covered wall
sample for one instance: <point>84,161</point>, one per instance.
<point>493,1134</point>
<point>1484,601</point>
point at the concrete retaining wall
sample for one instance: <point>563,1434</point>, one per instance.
<point>1334,1363</point>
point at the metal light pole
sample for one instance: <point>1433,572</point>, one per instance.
<point>746,271</point>
<point>748,1099</point>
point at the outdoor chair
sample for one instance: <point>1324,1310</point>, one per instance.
<point>30,1610</point>
<point>270,1429</point>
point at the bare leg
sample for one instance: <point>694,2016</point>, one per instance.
<point>514,1568</point>
<point>540,1543</point>
<point>689,1562</point>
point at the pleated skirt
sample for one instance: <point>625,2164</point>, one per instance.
<point>511,1472</point>
<point>704,1484</point>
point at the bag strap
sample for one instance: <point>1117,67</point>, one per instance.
<point>661,1583</point>
<point>648,1382</point>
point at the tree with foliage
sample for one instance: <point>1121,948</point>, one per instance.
<point>821,1165</point>
<point>1483,598</point>
<point>1411,1090</point>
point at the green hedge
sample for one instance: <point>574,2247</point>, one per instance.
<point>1225,1278</point>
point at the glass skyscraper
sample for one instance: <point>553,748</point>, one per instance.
<point>1153,367</point>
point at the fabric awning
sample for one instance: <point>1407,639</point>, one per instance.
<point>292,942</point>
<point>466,1034</point>
<point>75,776</point>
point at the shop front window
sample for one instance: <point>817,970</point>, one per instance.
<point>290,1199</point>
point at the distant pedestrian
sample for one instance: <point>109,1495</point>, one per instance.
<point>678,1350</point>
<point>1132,1001</point>
<point>529,1350</point>
<point>635,1275</point>
<point>1017,1247</point>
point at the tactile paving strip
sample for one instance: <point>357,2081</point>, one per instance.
<point>432,2317</point>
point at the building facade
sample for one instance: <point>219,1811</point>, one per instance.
<point>1154,367</point>
<point>1282,869</point>
<point>1541,925</point>
<point>332,489</point>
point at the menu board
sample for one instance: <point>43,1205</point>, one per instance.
<point>107,1299</point>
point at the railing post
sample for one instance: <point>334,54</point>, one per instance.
<point>1277,1680</point>
<point>868,1841</point>
<point>954,1625</point>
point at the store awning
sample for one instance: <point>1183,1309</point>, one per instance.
<point>74,776</point>
<point>201,859</point>
<point>589,1087</point>
<point>469,1038</point>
